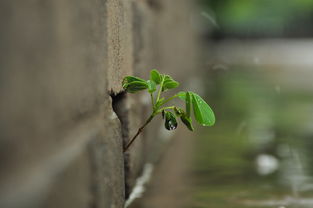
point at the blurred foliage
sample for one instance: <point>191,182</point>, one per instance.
<point>263,17</point>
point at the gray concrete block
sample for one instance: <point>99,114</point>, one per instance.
<point>60,140</point>
<point>71,186</point>
<point>119,43</point>
<point>53,85</point>
<point>106,157</point>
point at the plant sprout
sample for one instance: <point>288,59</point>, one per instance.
<point>159,83</point>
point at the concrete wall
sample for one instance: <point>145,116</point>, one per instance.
<point>63,115</point>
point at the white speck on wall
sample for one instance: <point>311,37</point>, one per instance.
<point>139,188</point>
<point>113,116</point>
<point>266,164</point>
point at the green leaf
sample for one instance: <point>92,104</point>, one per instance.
<point>170,121</point>
<point>188,103</point>
<point>187,121</point>
<point>135,86</point>
<point>151,86</point>
<point>202,111</point>
<point>155,76</point>
<point>129,79</point>
<point>169,83</point>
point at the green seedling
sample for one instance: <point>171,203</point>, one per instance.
<point>159,83</point>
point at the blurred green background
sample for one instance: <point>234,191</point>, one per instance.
<point>261,18</point>
<point>258,78</point>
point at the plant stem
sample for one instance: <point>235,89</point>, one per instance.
<point>169,99</point>
<point>139,131</point>
<point>152,101</point>
<point>160,90</point>
<point>170,107</point>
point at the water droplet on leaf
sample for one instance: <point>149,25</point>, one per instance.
<point>170,121</point>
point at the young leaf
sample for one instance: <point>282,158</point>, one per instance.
<point>202,111</point>
<point>129,79</point>
<point>187,121</point>
<point>151,86</point>
<point>178,111</point>
<point>135,86</point>
<point>170,121</point>
<point>155,76</point>
<point>169,83</point>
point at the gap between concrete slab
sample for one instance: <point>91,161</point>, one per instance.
<point>119,105</point>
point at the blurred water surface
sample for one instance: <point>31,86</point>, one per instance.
<point>259,153</point>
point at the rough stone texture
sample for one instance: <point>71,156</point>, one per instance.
<point>119,42</point>
<point>107,163</point>
<point>61,61</point>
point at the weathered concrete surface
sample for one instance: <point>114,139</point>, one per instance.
<point>71,189</point>
<point>118,26</point>
<point>54,103</point>
<point>61,61</point>
<point>107,162</point>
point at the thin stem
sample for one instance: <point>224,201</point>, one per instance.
<point>170,107</point>
<point>152,101</point>
<point>169,99</point>
<point>139,131</point>
<point>160,90</point>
